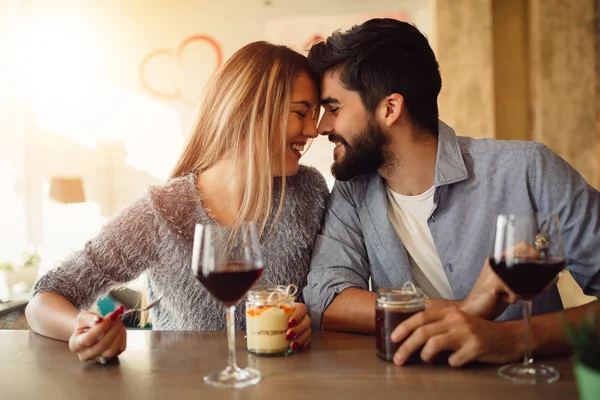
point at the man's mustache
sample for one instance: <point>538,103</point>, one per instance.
<point>335,138</point>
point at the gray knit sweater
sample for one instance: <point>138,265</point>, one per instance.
<point>155,235</point>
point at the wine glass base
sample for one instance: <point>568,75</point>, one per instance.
<point>529,374</point>
<point>233,378</point>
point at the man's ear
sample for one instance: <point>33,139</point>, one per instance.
<point>391,108</point>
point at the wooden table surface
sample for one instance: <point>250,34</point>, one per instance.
<point>170,365</point>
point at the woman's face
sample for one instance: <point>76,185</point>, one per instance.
<point>301,124</point>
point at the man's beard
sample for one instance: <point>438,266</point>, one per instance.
<point>365,155</point>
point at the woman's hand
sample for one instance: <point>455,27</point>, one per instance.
<point>99,338</point>
<point>299,328</point>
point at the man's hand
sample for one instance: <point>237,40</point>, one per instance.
<point>466,337</point>
<point>489,297</point>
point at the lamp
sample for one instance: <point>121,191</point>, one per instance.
<point>67,190</point>
<point>62,223</point>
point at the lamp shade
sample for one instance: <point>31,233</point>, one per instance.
<point>67,190</point>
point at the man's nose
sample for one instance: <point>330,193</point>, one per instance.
<point>325,125</point>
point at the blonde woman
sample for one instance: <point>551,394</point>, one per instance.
<point>240,163</point>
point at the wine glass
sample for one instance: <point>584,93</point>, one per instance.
<point>528,255</point>
<point>228,264</point>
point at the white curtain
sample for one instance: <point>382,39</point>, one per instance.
<point>13,222</point>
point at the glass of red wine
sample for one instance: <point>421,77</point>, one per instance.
<point>228,264</point>
<point>528,255</point>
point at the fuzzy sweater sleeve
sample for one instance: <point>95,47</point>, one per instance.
<point>124,248</point>
<point>310,194</point>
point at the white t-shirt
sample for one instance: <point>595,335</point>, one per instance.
<point>409,215</point>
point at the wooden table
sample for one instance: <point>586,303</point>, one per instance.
<point>170,365</point>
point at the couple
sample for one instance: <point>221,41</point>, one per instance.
<point>413,202</point>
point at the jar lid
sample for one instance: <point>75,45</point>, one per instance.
<point>273,294</point>
<point>409,296</point>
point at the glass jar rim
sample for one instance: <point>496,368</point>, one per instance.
<point>262,293</point>
<point>400,297</point>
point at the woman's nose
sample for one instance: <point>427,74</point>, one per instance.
<point>311,130</point>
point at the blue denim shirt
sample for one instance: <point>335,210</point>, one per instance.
<point>475,180</point>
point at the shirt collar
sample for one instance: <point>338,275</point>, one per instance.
<point>449,165</point>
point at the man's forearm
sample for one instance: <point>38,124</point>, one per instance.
<point>353,310</point>
<point>549,332</point>
<point>440,304</point>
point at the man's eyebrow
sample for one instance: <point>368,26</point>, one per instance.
<point>329,100</point>
<point>302,102</point>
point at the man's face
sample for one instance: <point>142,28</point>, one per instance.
<point>358,138</point>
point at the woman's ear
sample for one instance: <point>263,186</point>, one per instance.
<point>392,108</point>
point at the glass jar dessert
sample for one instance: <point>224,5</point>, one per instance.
<point>394,306</point>
<point>268,310</point>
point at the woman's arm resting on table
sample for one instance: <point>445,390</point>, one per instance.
<point>89,335</point>
<point>52,315</point>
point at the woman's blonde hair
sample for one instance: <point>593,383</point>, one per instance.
<point>243,117</point>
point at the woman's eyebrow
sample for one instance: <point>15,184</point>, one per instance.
<point>302,102</point>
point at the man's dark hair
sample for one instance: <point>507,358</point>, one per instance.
<point>381,57</point>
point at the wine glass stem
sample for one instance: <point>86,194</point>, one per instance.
<point>528,359</point>
<point>231,337</point>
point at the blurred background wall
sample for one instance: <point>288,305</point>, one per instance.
<point>105,91</point>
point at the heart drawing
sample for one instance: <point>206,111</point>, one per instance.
<point>182,73</point>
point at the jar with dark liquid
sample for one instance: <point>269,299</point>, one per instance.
<point>393,307</point>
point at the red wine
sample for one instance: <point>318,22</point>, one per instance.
<point>528,277</point>
<point>386,320</point>
<point>229,283</point>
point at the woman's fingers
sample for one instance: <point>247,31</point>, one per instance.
<point>123,340</point>
<point>298,314</point>
<point>300,334</point>
<point>86,337</point>
<point>101,345</point>
<point>91,328</point>
<point>301,342</point>
<point>299,328</point>
<point>88,320</point>
<point>115,348</point>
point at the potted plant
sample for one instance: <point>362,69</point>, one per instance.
<point>14,273</point>
<point>585,342</point>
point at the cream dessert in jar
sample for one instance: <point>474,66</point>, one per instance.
<point>268,310</point>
